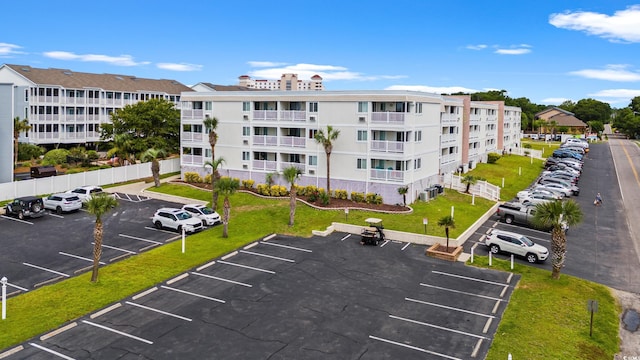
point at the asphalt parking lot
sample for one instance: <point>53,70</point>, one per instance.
<point>40,251</point>
<point>298,298</point>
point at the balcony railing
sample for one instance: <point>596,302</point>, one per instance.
<point>449,138</point>
<point>387,117</point>
<point>293,141</point>
<point>293,115</point>
<point>387,146</point>
<point>191,136</point>
<point>265,115</point>
<point>48,135</point>
<point>193,114</point>
<point>447,159</point>
<point>387,175</point>
<point>300,166</point>
<point>192,159</point>
<point>450,118</point>
<point>264,165</point>
<point>265,140</point>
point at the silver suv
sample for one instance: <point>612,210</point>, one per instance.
<point>516,244</point>
<point>208,216</point>
<point>176,219</point>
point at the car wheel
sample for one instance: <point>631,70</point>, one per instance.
<point>494,249</point>
<point>508,219</point>
<point>532,258</point>
<point>58,210</point>
<point>20,215</point>
<point>36,207</point>
<point>179,229</point>
<point>204,223</point>
<point>158,225</point>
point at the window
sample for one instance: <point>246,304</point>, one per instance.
<point>246,131</point>
<point>417,136</point>
<point>245,155</point>
<point>362,164</point>
<point>313,107</point>
<point>246,106</point>
<point>313,160</point>
<point>312,133</point>
<point>363,106</point>
<point>208,105</point>
<point>26,95</point>
<point>417,163</point>
<point>362,135</point>
<point>418,108</point>
<point>207,153</point>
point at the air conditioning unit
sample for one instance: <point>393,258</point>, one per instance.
<point>311,171</point>
<point>245,117</point>
<point>362,119</point>
<point>245,142</point>
<point>245,166</point>
<point>312,118</point>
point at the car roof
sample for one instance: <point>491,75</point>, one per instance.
<point>64,194</point>
<point>171,210</point>
<point>194,205</point>
<point>28,198</point>
<point>502,232</point>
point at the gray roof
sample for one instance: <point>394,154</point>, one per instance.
<point>79,80</point>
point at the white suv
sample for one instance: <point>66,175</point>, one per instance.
<point>208,216</point>
<point>176,219</point>
<point>85,192</point>
<point>64,202</point>
<point>516,244</point>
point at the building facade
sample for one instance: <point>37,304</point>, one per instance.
<point>287,82</point>
<point>388,139</point>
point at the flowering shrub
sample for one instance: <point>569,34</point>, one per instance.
<point>357,196</point>
<point>340,194</point>
<point>192,177</point>
<point>248,184</point>
<point>374,199</point>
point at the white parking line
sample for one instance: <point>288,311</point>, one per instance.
<point>193,294</point>
<point>45,269</point>
<point>460,292</point>
<point>161,230</point>
<point>221,279</point>
<point>138,238</point>
<point>51,351</point>
<point>413,347</point>
<point>17,287</point>
<point>346,237</point>
<point>267,256</point>
<point>15,219</point>
<point>56,215</point>
<point>469,278</point>
<point>116,248</point>
<point>285,246</point>
<point>78,257</point>
<point>404,247</point>
<point>158,311</point>
<point>118,332</point>
<point>448,307</point>
<point>246,266</point>
<point>384,243</point>
<point>437,327</point>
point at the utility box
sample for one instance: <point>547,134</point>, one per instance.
<point>43,171</point>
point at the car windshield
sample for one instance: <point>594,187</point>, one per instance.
<point>206,210</point>
<point>525,240</point>
<point>183,215</point>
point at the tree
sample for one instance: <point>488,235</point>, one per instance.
<point>215,175</point>
<point>19,126</point>
<point>403,190</point>
<point>469,180</point>
<point>98,205</point>
<point>211,124</point>
<point>153,155</point>
<point>123,148</point>
<point>326,140</point>
<point>227,187</point>
<point>270,178</point>
<point>596,126</point>
<point>154,123</point>
<point>557,215</point>
<point>591,109</point>
<point>447,222</point>
<point>291,174</point>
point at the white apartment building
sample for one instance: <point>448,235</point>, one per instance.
<point>388,139</point>
<point>287,82</point>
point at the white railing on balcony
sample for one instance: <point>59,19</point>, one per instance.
<point>387,175</point>
<point>293,141</point>
<point>473,152</point>
<point>387,117</point>
<point>264,165</point>
<point>266,115</point>
<point>192,159</point>
<point>474,135</point>
<point>448,138</point>
<point>450,118</point>
<point>191,136</point>
<point>387,146</point>
<point>447,159</point>
<point>474,118</point>
<point>301,167</point>
<point>293,115</point>
<point>48,135</point>
<point>265,140</point>
<point>193,114</point>
<point>73,135</point>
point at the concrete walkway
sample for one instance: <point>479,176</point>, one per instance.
<point>140,188</point>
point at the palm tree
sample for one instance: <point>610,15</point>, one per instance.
<point>557,215</point>
<point>211,124</point>
<point>215,175</point>
<point>123,147</point>
<point>326,140</point>
<point>99,205</point>
<point>270,178</point>
<point>447,222</point>
<point>19,126</point>
<point>227,187</point>
<point>403,190</point>
<point>153,155</point>
<point>469,180</point>
<point>291,175</point>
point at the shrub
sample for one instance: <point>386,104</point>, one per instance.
<point>493,157</point>
<point>263,189</point>
<point>340,194</point>
<point>92,155</point>
<point>527,146</point>
<point>192,177</point>
<point>357,196</point>
<point>248,184</point>
<point>29,151</point>
<point>310,189</point>
<point>55,157</point>
<point>73,171</point>
<point>323,197</point>
<point>279,190</point>
<point>313,196</point>
<point>374,199</point>
<point>207,179</point>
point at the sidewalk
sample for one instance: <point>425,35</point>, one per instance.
<point>140,188</point>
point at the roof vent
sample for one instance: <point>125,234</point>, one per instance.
<point>67,72</point>
<point>119,78</point>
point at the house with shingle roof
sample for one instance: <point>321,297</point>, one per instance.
<point>555,117</point>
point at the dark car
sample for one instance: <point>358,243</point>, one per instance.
<point>28,206</point>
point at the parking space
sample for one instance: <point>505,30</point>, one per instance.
<point>299,298</point>
<point>40,251</point>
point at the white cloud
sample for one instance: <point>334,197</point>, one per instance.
<point>514,50</point>
<point>617,93</point>
<point>623,25</point>
<point>477,47</point>
<point>264,64</point>
<point>433,89</point>
<point>122,60</point>
<point>613,72</point>
<point>553,101</point>
<point>7,50</point>
<point>306,71</point>
<point>179,67</point>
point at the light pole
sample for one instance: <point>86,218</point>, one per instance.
<point>4,297</point>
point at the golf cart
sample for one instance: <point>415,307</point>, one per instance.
<point>372,234</point>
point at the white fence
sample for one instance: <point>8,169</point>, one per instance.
<point>62,183</point>
<point>481,188</point>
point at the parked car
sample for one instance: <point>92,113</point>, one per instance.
<point>548,180</point>
<point>64,202</point>
<point>540,193</point>
<point>208,216</point>
<point>538,198</point>
<point>516,244</point>
<point>558,188</point>
<point>85,192</point>
<point>27,206</point>
<point>176,219</point>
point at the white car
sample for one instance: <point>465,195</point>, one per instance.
<point>208,216</point>
<point>555,188</point>
<point>85,192</point>
<point>538,191</point>
<point>516,244</point>
<point>64,202</point>
<point>539,198</point>
<point>176,219</point>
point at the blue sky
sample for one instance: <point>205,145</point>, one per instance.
<point>548,51</point>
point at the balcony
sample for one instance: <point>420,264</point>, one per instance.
<point>192,159</point>
<point>74,117</point>
<point>300,166</point>
<point>265,115</point>
<point>265,140</point>
<point>450,118</point>
<point>448,138</point>
<point>474,135</point>
<point>190,114</point>
<point>387,146</point>
<point>266,165</point>
<point>447,159</point>
<point>387,175</point>
<point>48,135</point>
<point>191,136</point>
<point>293,115</point>
<point>293,141</point>
<point>387,117</point>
